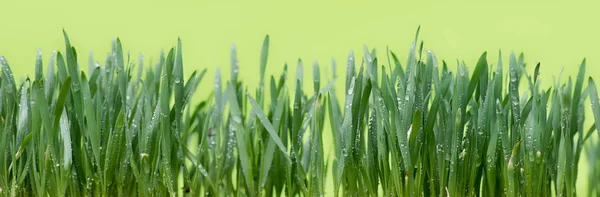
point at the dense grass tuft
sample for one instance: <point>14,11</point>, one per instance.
<point>418,129</point>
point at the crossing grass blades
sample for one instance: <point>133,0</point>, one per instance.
<point>412,129</point>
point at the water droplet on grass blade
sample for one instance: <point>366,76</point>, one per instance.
<point>203,171</point>
<point>237,119</point>
<point>23,112</point>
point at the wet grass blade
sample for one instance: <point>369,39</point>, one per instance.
<point>265,121</point>
<point>594,101</point>
<point>415,130</point>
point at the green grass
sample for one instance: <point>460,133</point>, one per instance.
<point>413,129</point>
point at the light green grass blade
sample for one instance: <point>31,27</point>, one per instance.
<point>233,64</point>
<point>263,119</point>
<point>514,88</point>
<point>577,98</point>
<point>264,55</point>
<point>178,83</point>
<point>39,70</point>
<point>316,77</point>
<point>23,113</point>
<point>50,82</point>
<point>270,150</point>
<point>594,101</point>
<point>240,133</point>
<point>350,69</point>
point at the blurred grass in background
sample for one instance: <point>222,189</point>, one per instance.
<point>558,34</point>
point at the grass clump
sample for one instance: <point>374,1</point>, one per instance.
<point>415,130</point>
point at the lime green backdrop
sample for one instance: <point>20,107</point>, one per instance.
<point>558,34</point>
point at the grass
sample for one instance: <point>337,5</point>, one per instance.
<point>418,129</point>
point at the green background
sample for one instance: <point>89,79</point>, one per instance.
<point>559,34</point>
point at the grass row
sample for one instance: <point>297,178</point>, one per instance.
<point>417,129</point>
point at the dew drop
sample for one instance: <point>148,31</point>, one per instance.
<point>237,119</point>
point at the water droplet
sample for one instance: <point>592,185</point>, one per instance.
<point>237,119</point>
<point>23,110</point>
<point>177,80</point>
<point>203,170</point>
<point>75,86</point>
<point>143,155</point>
